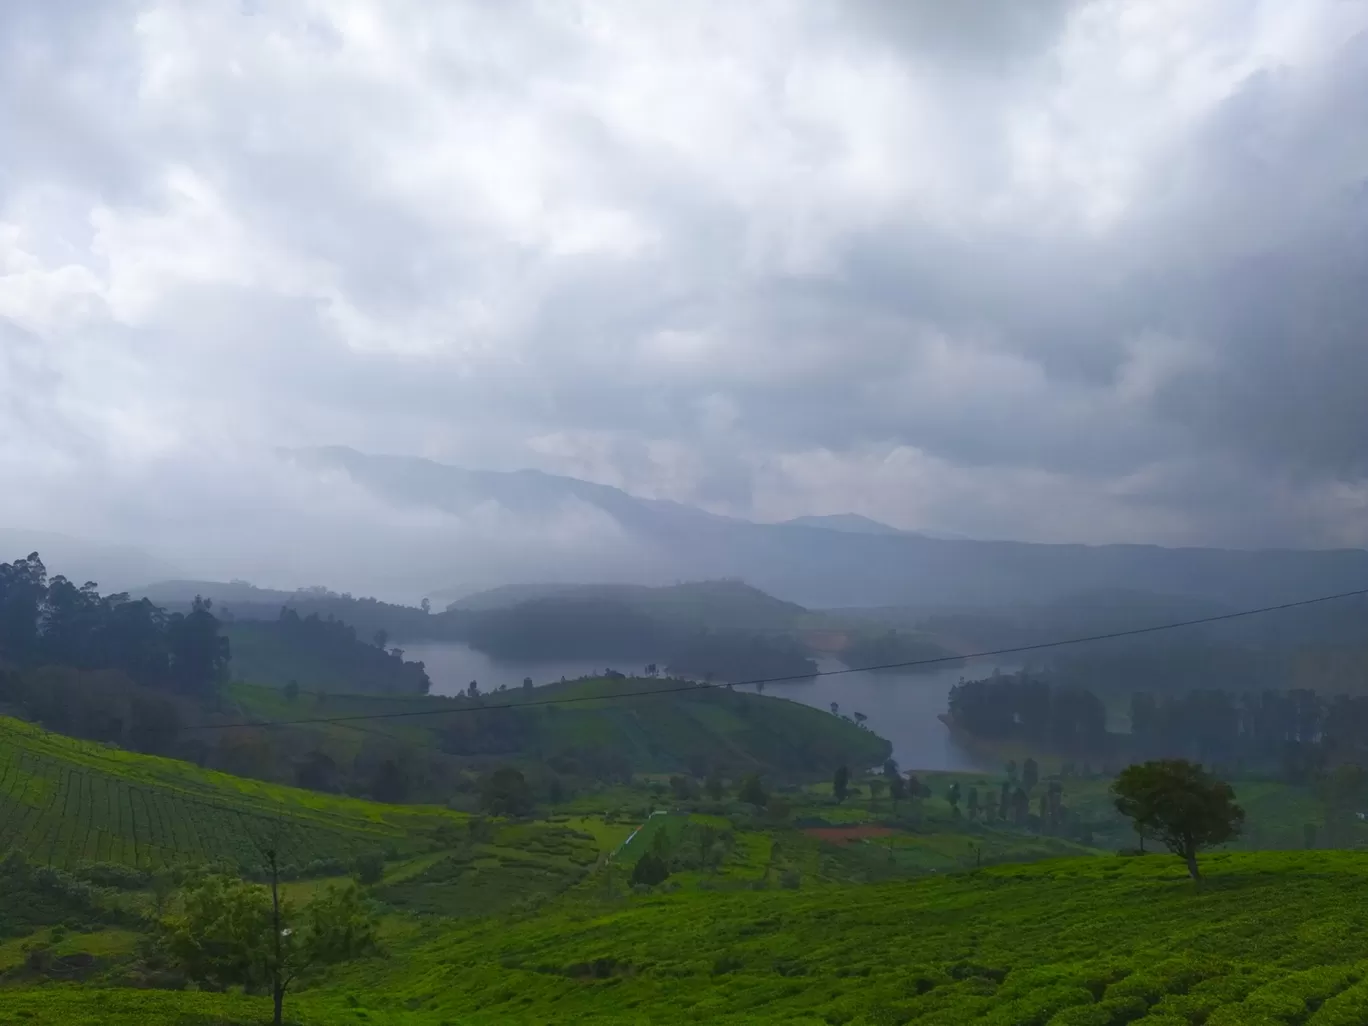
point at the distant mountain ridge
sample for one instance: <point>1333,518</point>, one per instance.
<point>823,567</point>
<point>851,523</point>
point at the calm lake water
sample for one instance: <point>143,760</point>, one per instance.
<point>902,707</point>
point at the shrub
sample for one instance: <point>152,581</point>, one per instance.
<point>1287,999</point>
<point>1037,1007</point>
<point>1347,1008</point>
<point>725,963</point>
<point>112,874</point>
<point>650,870</point>
<point>1107,1012</point>
<point>369,868</point>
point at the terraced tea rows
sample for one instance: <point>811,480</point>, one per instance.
<point>63,802</point>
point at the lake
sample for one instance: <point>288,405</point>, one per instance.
<point>902,707</point>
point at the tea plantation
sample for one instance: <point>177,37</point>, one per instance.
<point>829,913</point>
<point>1268,938</point>
<point>64,802</point>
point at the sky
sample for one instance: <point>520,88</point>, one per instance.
<point>1058,271</point>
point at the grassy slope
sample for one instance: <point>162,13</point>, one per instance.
<point>1276,813</point>
<point>1269,938</point>
<point>64,801</point>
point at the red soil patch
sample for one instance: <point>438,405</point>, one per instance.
<point>846,834</point>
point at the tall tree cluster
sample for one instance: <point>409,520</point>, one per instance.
<point>52,622</point>
<point>1298,730</point>
<point>1021,707</point>
<point>1297,734</point>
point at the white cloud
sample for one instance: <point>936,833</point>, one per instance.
<point>1034,277</point>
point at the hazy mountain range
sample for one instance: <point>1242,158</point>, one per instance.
<point>843,560</point>
<point>849,560</point>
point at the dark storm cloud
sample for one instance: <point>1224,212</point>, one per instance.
<point>1092,273</point>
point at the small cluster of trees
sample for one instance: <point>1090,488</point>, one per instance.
<point>899,788</point>
<point>696,846</point>
<point>1012,801</point>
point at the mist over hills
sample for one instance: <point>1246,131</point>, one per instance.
<point>822,562</point>
<point>418,528</point>
<point>114,567</point>
<point>850,523</point>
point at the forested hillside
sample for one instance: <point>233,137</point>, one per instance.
<point>313,654</point>
<point>238,600</point>
<point>1297,735</point>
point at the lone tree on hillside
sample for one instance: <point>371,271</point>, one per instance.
<point>650,869</point>
<point>233,932</point>
<point>714,786</point>
<point>752,791</point>
<point>897,790</point>
<point>1180,805</point>
<point>505,793</point>
<point>840,783</point>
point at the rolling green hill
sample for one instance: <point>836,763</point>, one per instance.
<point>724,604</point>
<point>595,735</point>
<point>436,744</point>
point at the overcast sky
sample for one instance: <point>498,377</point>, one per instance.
<point>1050,271</point>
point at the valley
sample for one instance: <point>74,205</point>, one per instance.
<point>612,513</point>
<point>512,825</point>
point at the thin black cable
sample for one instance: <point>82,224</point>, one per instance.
<point>1013,650</point>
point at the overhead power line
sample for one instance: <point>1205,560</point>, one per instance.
<point>456,709</point>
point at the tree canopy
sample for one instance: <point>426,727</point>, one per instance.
<point>505,793</point>
<point>55,623</point>
<point>224,934</point>
<point>1179,804</point>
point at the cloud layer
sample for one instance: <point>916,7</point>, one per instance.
<point>1093,275</point>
